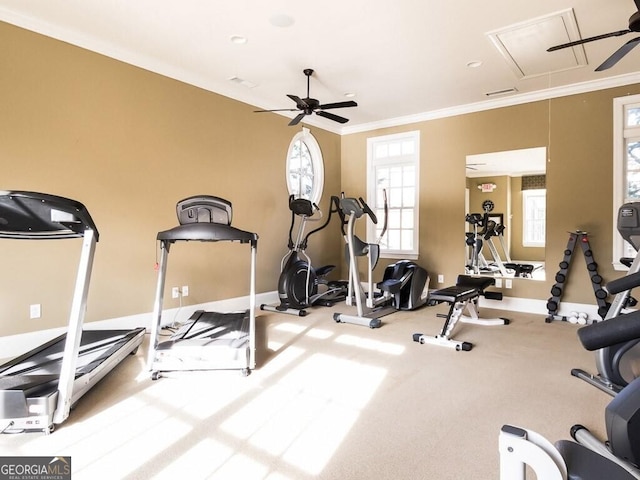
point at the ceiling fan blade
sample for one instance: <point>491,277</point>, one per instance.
<point>590,39</point>
<point>277,110</point>
<point>300,103</point>
<point>333,117</point>
<point>349,103</point>
<point>296,120</point>
<point>618,54</point>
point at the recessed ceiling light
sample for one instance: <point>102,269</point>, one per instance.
<point>238,39</point>
<point>349,94</point>
<point>474,64</point>
<point>281,20</point>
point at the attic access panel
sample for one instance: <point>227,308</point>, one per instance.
<point>524,45</point>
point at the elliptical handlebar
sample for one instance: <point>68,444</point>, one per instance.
<point>386,215</point>
<point>351,206</point>
<point>302,207</point>
<point>628,282</point>
<point>366,209</point>
<point>306,209</point>
<point>475,219</point>
<point>358,207</point>
<point>622,328</point>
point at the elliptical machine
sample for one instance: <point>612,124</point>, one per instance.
<point>404,285</point>
<point>619,364</point>
<point>298,284</point>
<point>589,458</point>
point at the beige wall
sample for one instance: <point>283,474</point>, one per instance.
<point>129,144</point>
<point>577,131</point>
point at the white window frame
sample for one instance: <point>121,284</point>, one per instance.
<point>620,136</point>
<point>373,164</point>
<point>317,165</point>
<point>525,194</point>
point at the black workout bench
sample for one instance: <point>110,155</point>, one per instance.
<point>464,295</point>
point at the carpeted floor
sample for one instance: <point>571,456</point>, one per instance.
<point>334,401</point>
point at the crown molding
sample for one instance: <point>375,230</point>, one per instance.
<point>520,99</point>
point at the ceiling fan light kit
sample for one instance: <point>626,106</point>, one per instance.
<point>634,26</point>
<point>308,106</point>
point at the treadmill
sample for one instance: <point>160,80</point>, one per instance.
<point>207,340</point>
<point>38,388</point>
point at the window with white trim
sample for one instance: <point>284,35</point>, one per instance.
<point>626,167</point>
<point>534,207</point>
<point>393,163</point>
<point>305,167</point>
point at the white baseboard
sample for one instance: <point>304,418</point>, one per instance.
<point>14,345</point>
<point>529,305</point>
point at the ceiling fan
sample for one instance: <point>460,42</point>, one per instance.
<point>634,26</point>
<point>310,105</point>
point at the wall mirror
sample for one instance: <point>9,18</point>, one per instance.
<point>505,219</point>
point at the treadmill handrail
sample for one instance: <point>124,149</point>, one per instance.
<point>207,232</point>
<point>41,216</point>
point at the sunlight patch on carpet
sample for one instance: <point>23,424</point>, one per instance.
<point>307,414</point>
<point>369,344</point>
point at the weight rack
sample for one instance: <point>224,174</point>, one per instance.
<point>582,238</point>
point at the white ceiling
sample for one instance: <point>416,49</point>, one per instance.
<point>405,61</point>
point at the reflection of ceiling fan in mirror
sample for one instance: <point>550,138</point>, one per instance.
<point>634,26</point>
<point>474,166</point>
<point>310,105</point>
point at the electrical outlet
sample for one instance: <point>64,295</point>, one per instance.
<point>498,283</point>
<point>175,292</point>
<point>185,291</point>
<point>440,278</point>
<point>507,283</point>
<point>35,311</point>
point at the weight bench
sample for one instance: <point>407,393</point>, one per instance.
<point>464,295</point>
<point>521,269</point>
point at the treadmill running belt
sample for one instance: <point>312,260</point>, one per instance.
<point>213,325</point>
<point>95,347</point>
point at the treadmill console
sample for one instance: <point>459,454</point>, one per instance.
<point>33,215</point>
<point>629,223</point>
<point>204,209</point>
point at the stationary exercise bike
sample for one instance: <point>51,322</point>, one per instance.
<point>589,458</point>
<point>404,285</point>
<point>619,364</point>
<point>299,282</point>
